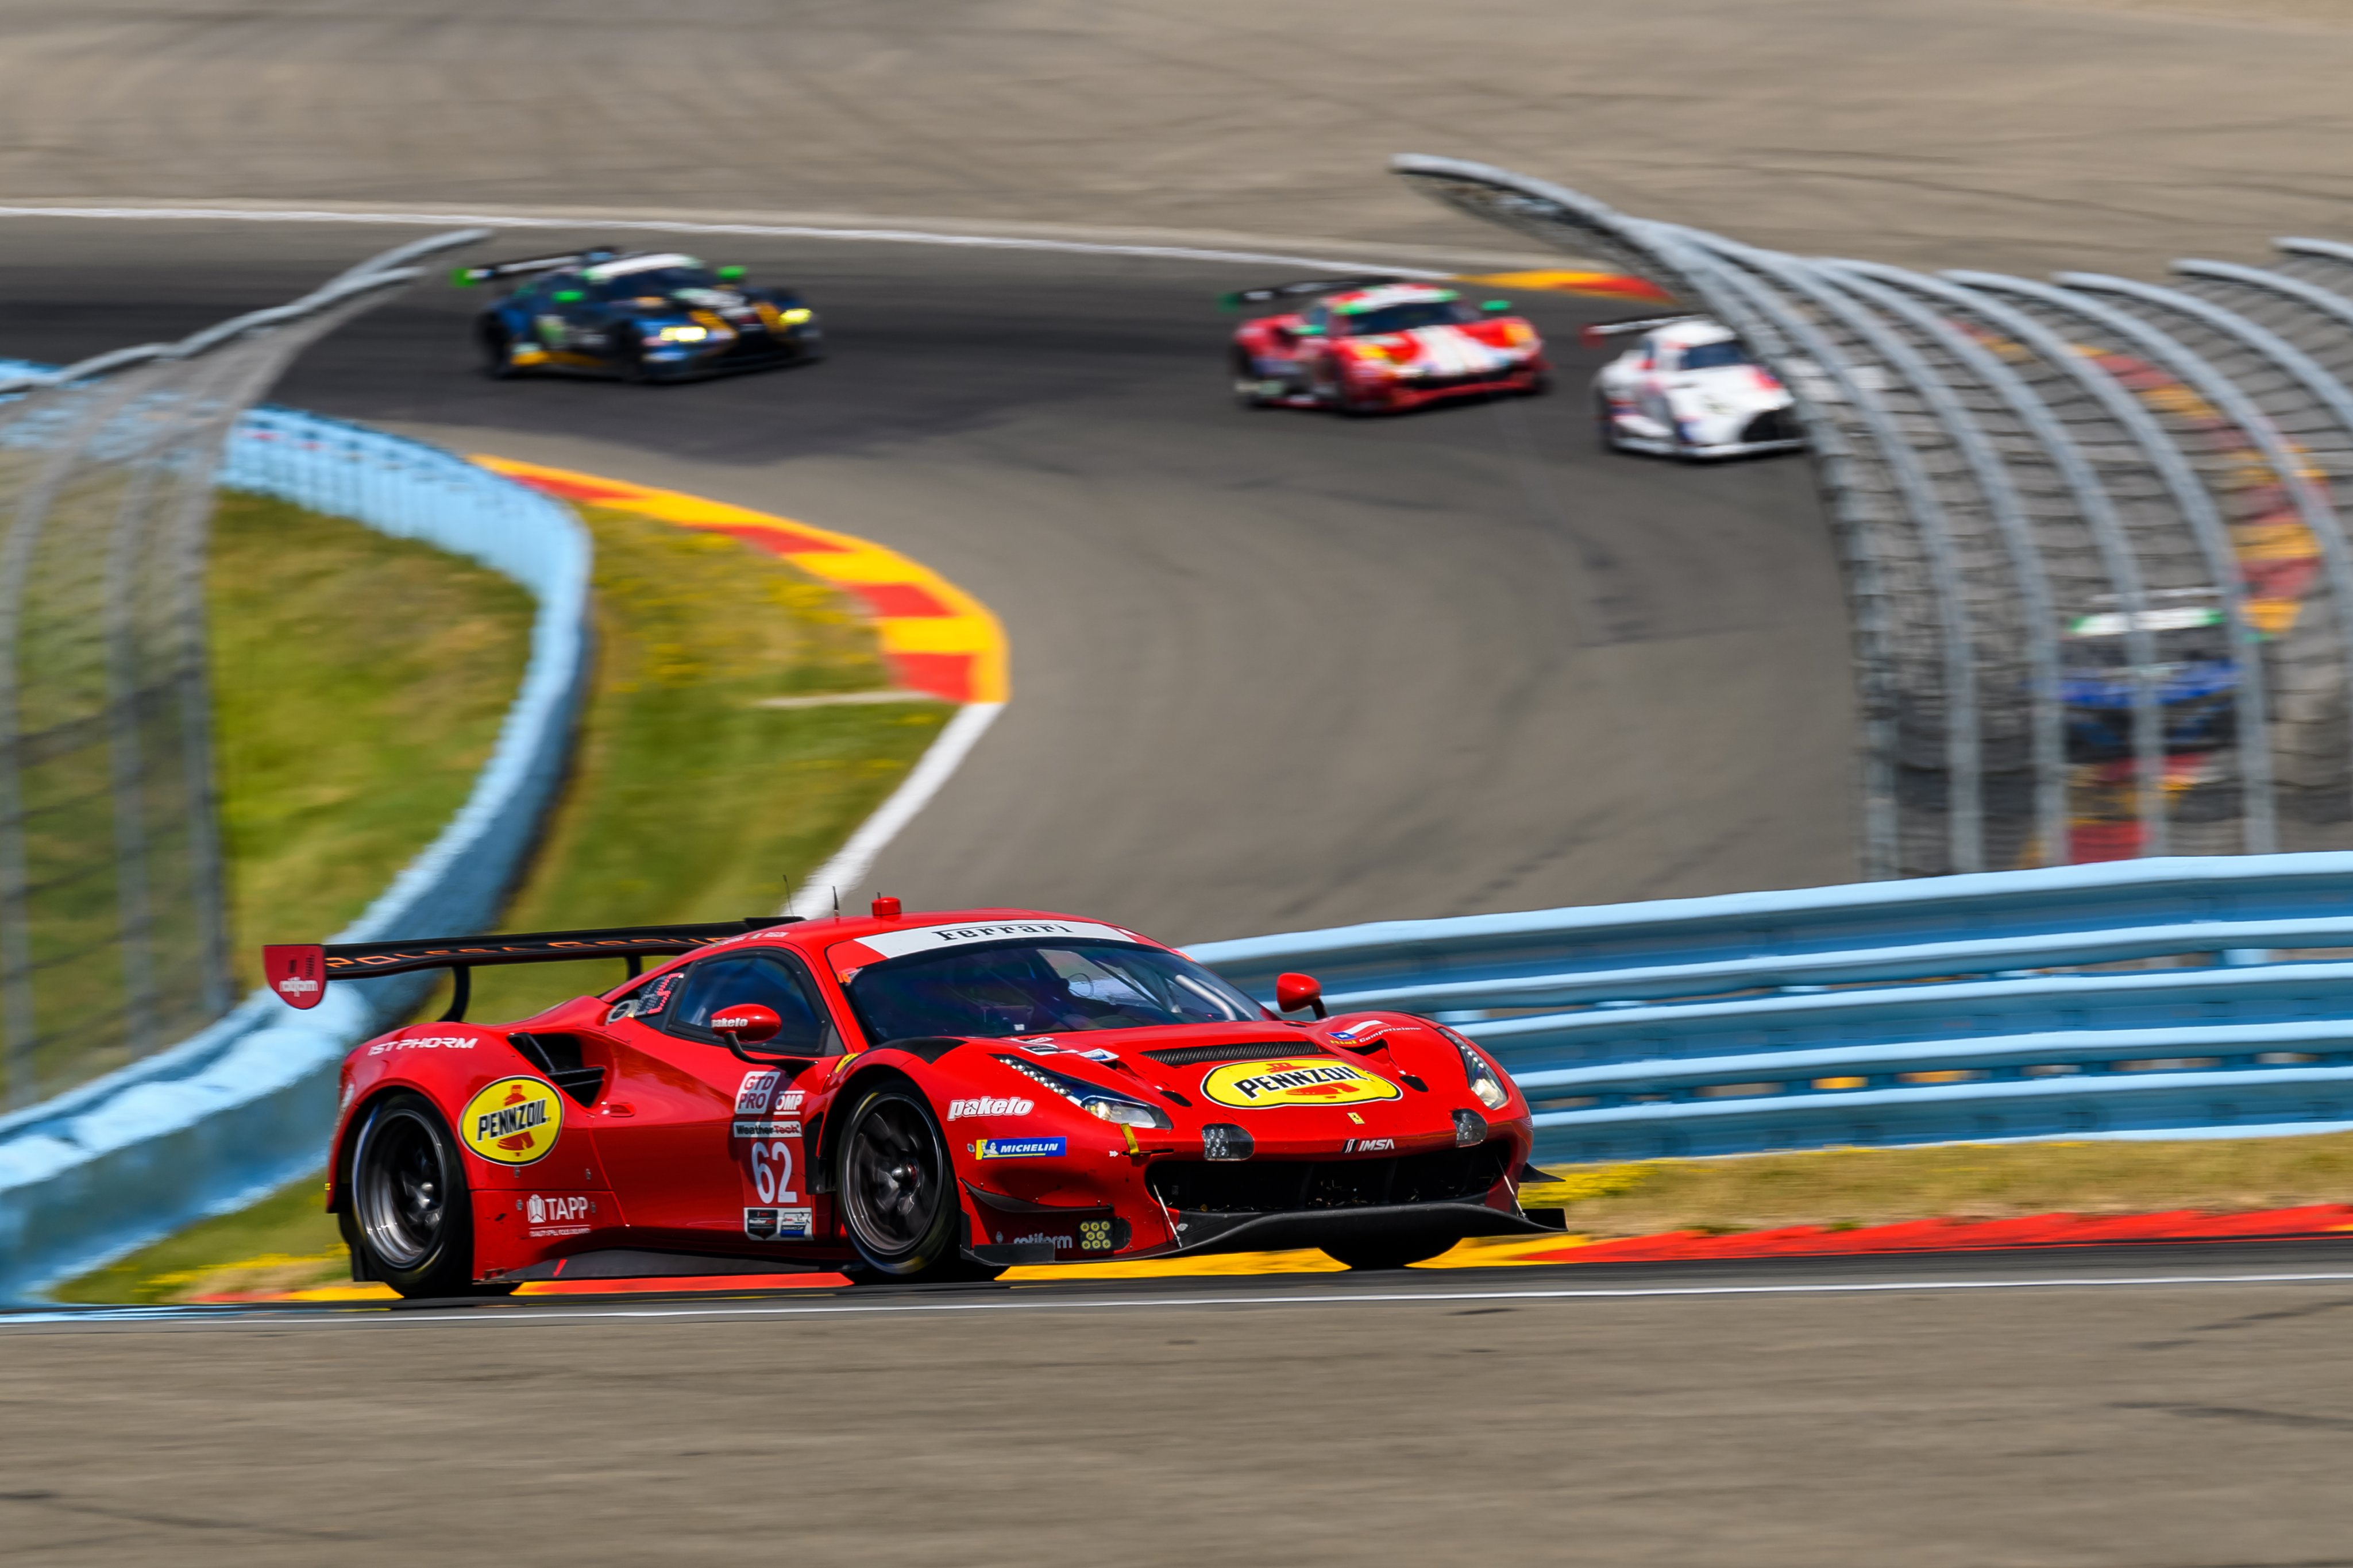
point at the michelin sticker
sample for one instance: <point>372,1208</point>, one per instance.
<point>1020,1148</point>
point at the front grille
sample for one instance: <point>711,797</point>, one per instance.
<point>1245,1051</point>
<point>1291,1186</point>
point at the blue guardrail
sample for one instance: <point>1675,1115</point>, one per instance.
<point>213,1121</point>
<point>2165,998</point>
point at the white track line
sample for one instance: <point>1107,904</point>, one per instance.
<point>847,870</point>
<point>1042,1303</point>
<point>767,230</point>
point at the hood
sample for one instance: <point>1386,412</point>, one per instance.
<point>1351,1084</point>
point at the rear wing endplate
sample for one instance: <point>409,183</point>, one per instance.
<point>1593,333</point>
<point>298,974</point>
<point>466,277</point>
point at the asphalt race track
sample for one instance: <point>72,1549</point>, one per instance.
<point>1271,669</point>
<point>2159,1407</point>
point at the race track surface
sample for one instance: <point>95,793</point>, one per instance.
<point>1271,669</point>
<point>2152,1407</point>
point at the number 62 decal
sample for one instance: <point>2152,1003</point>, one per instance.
<point>772,1170</point>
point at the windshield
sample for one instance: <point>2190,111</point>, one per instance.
<point>654,281</point>
<point>1039,988</point>
<point>1712,356</point>
<point>1405,317</point>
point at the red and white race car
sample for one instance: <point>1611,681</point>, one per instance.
<point>1378,346</point>
<point>1688,388</point>
<point>903,1097</point>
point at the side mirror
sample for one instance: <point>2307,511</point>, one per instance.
<point>1492,305</point>
<point>748,1025</point>
<point>730,275</point>
<point>1307,329</point>
<point>1293,992</point>
<point>569,296</point>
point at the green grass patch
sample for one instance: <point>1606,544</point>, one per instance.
<point>358,685</point>
<point>687,801</point>
<point>1845,1188</point>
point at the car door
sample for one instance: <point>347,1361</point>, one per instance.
<point>709,1153</point>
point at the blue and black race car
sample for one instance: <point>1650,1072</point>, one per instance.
<point>639,315</point>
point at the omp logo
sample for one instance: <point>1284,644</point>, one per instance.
<point>960,1109</point>
<point>513,1122</point>
<point>1250,1086</point>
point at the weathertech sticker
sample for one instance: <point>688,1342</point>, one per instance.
<point>1306,1081</point>
<point>1020,1148</point>
<point>513,1122</point>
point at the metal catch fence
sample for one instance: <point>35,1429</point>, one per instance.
<point>2091,531</point>
<point>114,934</point>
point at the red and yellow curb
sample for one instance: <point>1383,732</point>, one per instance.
<point>937,638</point>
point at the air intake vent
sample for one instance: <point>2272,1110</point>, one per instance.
<point>1241,1051</point>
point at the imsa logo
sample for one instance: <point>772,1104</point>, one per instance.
<point>1306,1081</point>
<point>513,1122</point>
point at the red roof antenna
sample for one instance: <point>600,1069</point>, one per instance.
<point>886,908</point>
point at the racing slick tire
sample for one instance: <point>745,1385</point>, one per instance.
<point>408,1215</point>
<point>1387,1252</point>
<point>897,1192</point>
<point>629,360</point>
<point>497,352</point>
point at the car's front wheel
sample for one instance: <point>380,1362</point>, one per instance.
<point>408,1214</point>
<point>497,352</point>
<point>1605,422</point>
<point>898,1190</point>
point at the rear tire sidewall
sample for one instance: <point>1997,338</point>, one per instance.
<point>934,1253</point>
<point>387,1248</point>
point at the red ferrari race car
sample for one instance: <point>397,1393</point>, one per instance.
<point>904,1097</point>
<point>1373,345</point>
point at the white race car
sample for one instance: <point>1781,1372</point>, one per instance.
<point>1688,389</point>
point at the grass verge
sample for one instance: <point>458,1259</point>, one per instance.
<point>1844,1187</point>
<point>688,801</point>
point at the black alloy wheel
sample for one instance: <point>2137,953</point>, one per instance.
<point>408,1214</point>
<point>898,1190</point>
<point>1387,1252</point>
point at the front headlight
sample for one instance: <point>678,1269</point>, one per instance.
<point>1093,1098</point>
<point>796,316</point>
<point>682,334</point>
<point>1484,1083</point>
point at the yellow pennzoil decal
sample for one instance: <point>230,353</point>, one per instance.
<point>1302,1081</point>
<point>513,1122</point>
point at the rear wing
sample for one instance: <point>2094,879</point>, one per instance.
<point>1279,292</point>
<point>298,974</point>
<point>1594,333</point>
<point>467,276</point>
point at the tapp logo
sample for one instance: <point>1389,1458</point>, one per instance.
<point>960,1109</point>
<point>561,1210</point>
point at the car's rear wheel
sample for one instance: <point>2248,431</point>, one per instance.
<point>898,1190</point>
<point>408,1214</point>
<point>1387,1252</point>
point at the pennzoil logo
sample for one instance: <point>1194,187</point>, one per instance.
<point>513,1122</point>
<point>1304,1080</point>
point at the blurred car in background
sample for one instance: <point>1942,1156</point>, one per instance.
<point>1687,388</point>
<point>1375,345</point>
<point>2197,680</point>
<point>637,315</point>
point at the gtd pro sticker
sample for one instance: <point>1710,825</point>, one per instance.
<point>513,1122</point>
<point>1305,1080</point>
